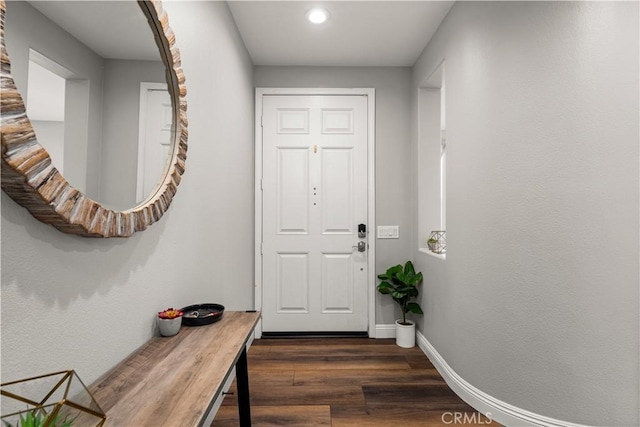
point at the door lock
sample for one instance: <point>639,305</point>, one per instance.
<point>361,247</point>
<point>362,231</point>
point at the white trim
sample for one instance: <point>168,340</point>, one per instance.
<point>370,93</point>
<point>145,88</point>
<point>493,408</point>
<point>433,254</point>
<point>371,215</point>
<point>385,331</point>
<point>313,91</point>
<point>257,191</point>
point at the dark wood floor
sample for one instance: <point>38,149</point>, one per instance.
<point>345,382</point>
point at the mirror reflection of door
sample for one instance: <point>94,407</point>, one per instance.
<point>154,141</point>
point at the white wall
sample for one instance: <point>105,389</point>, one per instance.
<point>82,303</point>
<point>537,301</point>
<point>393,118</point>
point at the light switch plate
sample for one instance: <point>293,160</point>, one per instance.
<point>388,232</point>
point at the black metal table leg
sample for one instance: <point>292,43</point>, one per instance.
<point>242,380</point>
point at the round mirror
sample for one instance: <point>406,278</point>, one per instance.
<point>101,147</point>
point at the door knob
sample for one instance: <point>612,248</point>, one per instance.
<point>361,247</point>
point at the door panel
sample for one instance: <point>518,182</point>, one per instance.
<point>337,275</point>
<point>293,190</point>
<point>293,120</point>
<point>337,196</point>
<point>314,188</point>
<point>337,121</point>
<point>293,283</point>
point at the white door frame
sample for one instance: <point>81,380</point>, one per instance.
<point>371,208</point>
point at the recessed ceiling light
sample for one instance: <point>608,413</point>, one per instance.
<point>317,15</point>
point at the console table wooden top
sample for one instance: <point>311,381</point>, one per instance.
<point>174,381</point>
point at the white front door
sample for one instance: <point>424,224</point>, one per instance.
<point>314,196</point>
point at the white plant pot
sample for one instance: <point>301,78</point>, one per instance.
<point>169,327</point>
<point>405,334</point>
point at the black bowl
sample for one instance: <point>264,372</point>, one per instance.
<point>202,314</point>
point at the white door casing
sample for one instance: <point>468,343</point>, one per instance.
<point>314,185</point>
<point>154,137</point>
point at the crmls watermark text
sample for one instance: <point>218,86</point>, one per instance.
<point>466,418</point>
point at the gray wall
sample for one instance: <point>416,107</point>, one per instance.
<point>53,133</point>
<point>86,303</point>
<point>393,118</point>
<point>531,306</point>
<point>120,128</point>
<point>537,301</point>
<point>27,28</point>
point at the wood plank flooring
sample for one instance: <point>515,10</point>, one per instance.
<point>343,382</point>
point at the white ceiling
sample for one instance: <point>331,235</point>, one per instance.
<point>358,33</point>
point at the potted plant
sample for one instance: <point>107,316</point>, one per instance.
<point>401,283</point>
<point>169,322</point>
<point>38,418</point>
<point>58,399</point>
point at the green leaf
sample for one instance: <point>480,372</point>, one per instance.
<point>398,295</point>
<point>385,288</point>
<point>416,278</point>
<point>393,271</point>
<point>408,268</point>
<point>414,307</point>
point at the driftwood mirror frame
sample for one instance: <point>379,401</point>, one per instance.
<point>30,178</point>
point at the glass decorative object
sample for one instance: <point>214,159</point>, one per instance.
<point>59,399</point>
<point>437,242</point>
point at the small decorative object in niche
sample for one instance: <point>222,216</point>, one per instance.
<point>59,399</point>
<point>169,322</point>
<point>437,242</point>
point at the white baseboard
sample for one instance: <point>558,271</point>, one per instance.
<point>491,407</point>
<point>385,331</point>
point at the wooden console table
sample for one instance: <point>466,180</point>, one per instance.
<point>175,381</point>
